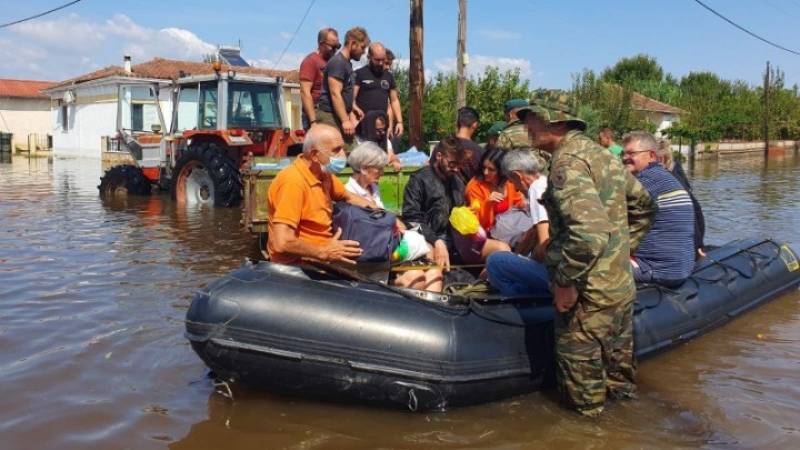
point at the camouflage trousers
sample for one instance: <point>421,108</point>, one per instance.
<point>594,355</point>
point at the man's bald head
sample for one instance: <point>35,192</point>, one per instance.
<point>323,138</point>
<point>377,58</point>
<point>377,50</point>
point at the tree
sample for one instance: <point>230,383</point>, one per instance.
<point>639,68</point>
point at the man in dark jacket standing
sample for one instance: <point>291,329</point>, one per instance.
<point>430,195</point>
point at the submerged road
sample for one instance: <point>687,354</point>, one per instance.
<point>92,353</point>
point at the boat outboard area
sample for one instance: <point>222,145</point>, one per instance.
<point>302,331</point>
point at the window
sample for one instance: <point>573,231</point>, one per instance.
<point>64,117</point>
<point>187,108</point>
<point>208,106</point>
<point>139,108</point>
<point>253,105</point>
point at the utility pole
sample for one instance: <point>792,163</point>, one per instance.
<point>461,49</point>
<point>416,77</point>
<point>766,113</point>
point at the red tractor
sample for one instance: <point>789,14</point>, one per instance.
<point>218,121</point>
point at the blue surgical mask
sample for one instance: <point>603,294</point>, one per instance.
<point>336,164</point>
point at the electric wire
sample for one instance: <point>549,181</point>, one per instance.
<point>745,29</point>
<point>308,10</point>
<point>36,16</point>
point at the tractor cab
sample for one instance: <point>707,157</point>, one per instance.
<point>218,122</point>
<point>237,110</point>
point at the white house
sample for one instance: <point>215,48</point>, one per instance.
<point>658,113</point>
<point>25,112</point>
<point>84,109</point>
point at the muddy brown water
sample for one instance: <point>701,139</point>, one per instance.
<point>92,353</point>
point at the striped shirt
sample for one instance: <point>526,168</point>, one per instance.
<point>667,252</point>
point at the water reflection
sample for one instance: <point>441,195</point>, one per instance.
<point>93,293</point>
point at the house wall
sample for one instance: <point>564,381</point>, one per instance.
<point>661,121</point>
<point>92,116</point>
<point>293,106</point>
<point>24,116</point>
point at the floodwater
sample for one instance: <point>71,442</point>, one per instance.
<point>92,353</point>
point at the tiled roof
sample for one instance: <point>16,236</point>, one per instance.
<point>640,102</point>
<point>24,88</point>
<point>172,69</point>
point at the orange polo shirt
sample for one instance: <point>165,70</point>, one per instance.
<point>480,191</point>
<point>297,198</point>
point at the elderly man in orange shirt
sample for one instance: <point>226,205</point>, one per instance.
<point>300,203</point>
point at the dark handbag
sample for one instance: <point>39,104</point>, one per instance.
<point>373,229</point>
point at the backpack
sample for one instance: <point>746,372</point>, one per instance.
<point>374,229</point>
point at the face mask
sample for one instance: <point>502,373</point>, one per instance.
<point>335,165</point>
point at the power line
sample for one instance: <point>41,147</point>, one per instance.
<point>308,10</point>
<point>36,16</point>
<point>745,29</point>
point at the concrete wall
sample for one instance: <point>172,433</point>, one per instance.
<point>24,116</point>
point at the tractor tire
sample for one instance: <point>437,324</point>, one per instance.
<point>124,180</point>
<point>204,175</point>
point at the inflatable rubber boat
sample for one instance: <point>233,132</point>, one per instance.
<point>308,332</point>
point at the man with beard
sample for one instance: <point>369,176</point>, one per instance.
<point>466,125</point>
<point>311,73</point>
<point>430,195</point>
<point>598,214</point>
<point>336,98</point>
<point>375,89</point>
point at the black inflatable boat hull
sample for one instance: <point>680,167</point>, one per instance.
<point>270,326</point>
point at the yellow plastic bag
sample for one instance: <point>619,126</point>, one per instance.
<point>464,220</point>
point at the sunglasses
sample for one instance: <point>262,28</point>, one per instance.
<point>336,46</point>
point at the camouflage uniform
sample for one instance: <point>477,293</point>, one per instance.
<point>598,213</point>
<point>515,136</point>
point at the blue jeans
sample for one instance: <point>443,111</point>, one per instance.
<point>514,274</point>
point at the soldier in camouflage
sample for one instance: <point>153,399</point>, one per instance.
<point>515,135</point>
<point>598,214</point>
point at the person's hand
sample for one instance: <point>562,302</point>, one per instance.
<point>349,127</point>
<point>496,197</point>
<point>565,298</point>
<point>356,114</point>
<point>398,129</point>
<point>341,251</point>
<point>394,161</point>
<point>399,226</point>
<point>440,255</point>
<point>539,251</point>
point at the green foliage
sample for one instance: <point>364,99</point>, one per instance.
<point>606,104</point>
<point>486,93</point>
<point>714,108</point>
<point>634,69</point>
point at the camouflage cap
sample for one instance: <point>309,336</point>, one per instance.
<point>553,107</point>
<point>515,103</point>
<point>496,128</point>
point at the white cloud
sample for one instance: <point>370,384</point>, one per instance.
<point>290,61</point>
<point>285,35</point>
<point>65,47</point>
<point>500,35</point>
<point>478,64</point>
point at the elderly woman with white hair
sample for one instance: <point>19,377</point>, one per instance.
<point>367,160</point>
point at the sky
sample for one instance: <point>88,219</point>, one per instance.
<point>548,41</point>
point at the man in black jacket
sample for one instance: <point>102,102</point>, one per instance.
<point>430,195</point>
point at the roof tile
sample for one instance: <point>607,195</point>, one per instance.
<point>171,69</point>
<point>24,88</point>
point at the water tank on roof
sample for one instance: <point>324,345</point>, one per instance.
<point>232,56</point>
